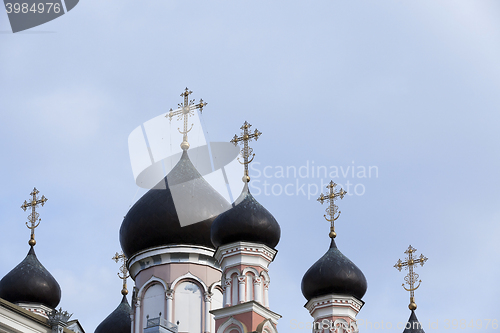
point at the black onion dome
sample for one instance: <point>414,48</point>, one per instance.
<point>413,325</point>
<point>247,221</point>
<point>118,321</point>
<point>154,219</point>
<point>30,282</point>
<point>333,273</point>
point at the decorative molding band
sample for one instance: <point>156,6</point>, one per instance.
<point>334,300</point>
<point>245,248</point>
<point>246,307</point>
<point>162,255</point>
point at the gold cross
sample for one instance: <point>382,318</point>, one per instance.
<point>184,111</point>
<point>34,216</point>
<point>333,208</point>
<point>246,151</point>
<point>412,277</point>
<point>123,270</point>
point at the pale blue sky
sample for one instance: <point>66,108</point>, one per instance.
<point>411,87</point>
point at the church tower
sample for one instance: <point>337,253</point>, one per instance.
<point>118,321</point>
<point>334,285</point>
<point>245,237</point>
<point>166,238</point>
<point>30,285</point>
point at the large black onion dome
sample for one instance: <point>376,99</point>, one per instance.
<point>333,273</point>
<point>30,282</point>
<point>413,325</point>
<point>154,219</point>
<point>247,221</point>
<point>118,321</point>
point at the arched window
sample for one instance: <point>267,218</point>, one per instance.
<point>188,302</point>
<point>250,277</point>
<point>153,303</point>
<point>234,290</point>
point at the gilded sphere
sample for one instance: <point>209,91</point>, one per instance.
<point>185,145</point>
<point>246,179</point>
<point>32,242</point>
<point>412,306</point>
<point>124,291</point>
<point>332,234</point>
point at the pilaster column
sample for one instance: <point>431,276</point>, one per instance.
<point>170,296</point>
<point>227,292</point>
<point>208,302</point>
<point>257,289</point>
<point>266,294</point>
<point>137,320</point>
<point>241,288</point>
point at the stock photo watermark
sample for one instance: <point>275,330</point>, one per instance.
<point>309,179</point>
<point>26,14</point>
<point>438,324</point>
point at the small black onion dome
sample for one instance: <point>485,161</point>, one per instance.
<point>333,273</point>
<point>30,282</point>
<point>413,325</point>
<point>153,220</point>
<point>247,221</point>
<point>118,321</point>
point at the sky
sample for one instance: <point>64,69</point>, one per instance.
<point>408,88</point>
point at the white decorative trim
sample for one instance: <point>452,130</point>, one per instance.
<point>148,283</point>
<point>188,276</point>
<point>333,305</point>
<point>231,271</point>
<point>39,309</point>
<point>213,285</point>
<point>246,249</point>
<point>250,269</point>
<point>266,327</point>
<point>265,276</point>
<point>161,255</point>
<point>230,322</point>
<point>251,306</point>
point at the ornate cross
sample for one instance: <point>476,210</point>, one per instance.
<point>184,111</point>
<point>333,208</point>
<point>412,277</point>
<point>34,216</point>
<point>123,270</point>
<point>246,151</point>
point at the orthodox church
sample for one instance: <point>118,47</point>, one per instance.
<point>199,263</point>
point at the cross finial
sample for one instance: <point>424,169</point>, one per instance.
<point>246,151</point>
<point>33,218</point>
<point>411,277</point>
<point>185,110</point>
<point>332,208</point>
<point>123,270</point>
